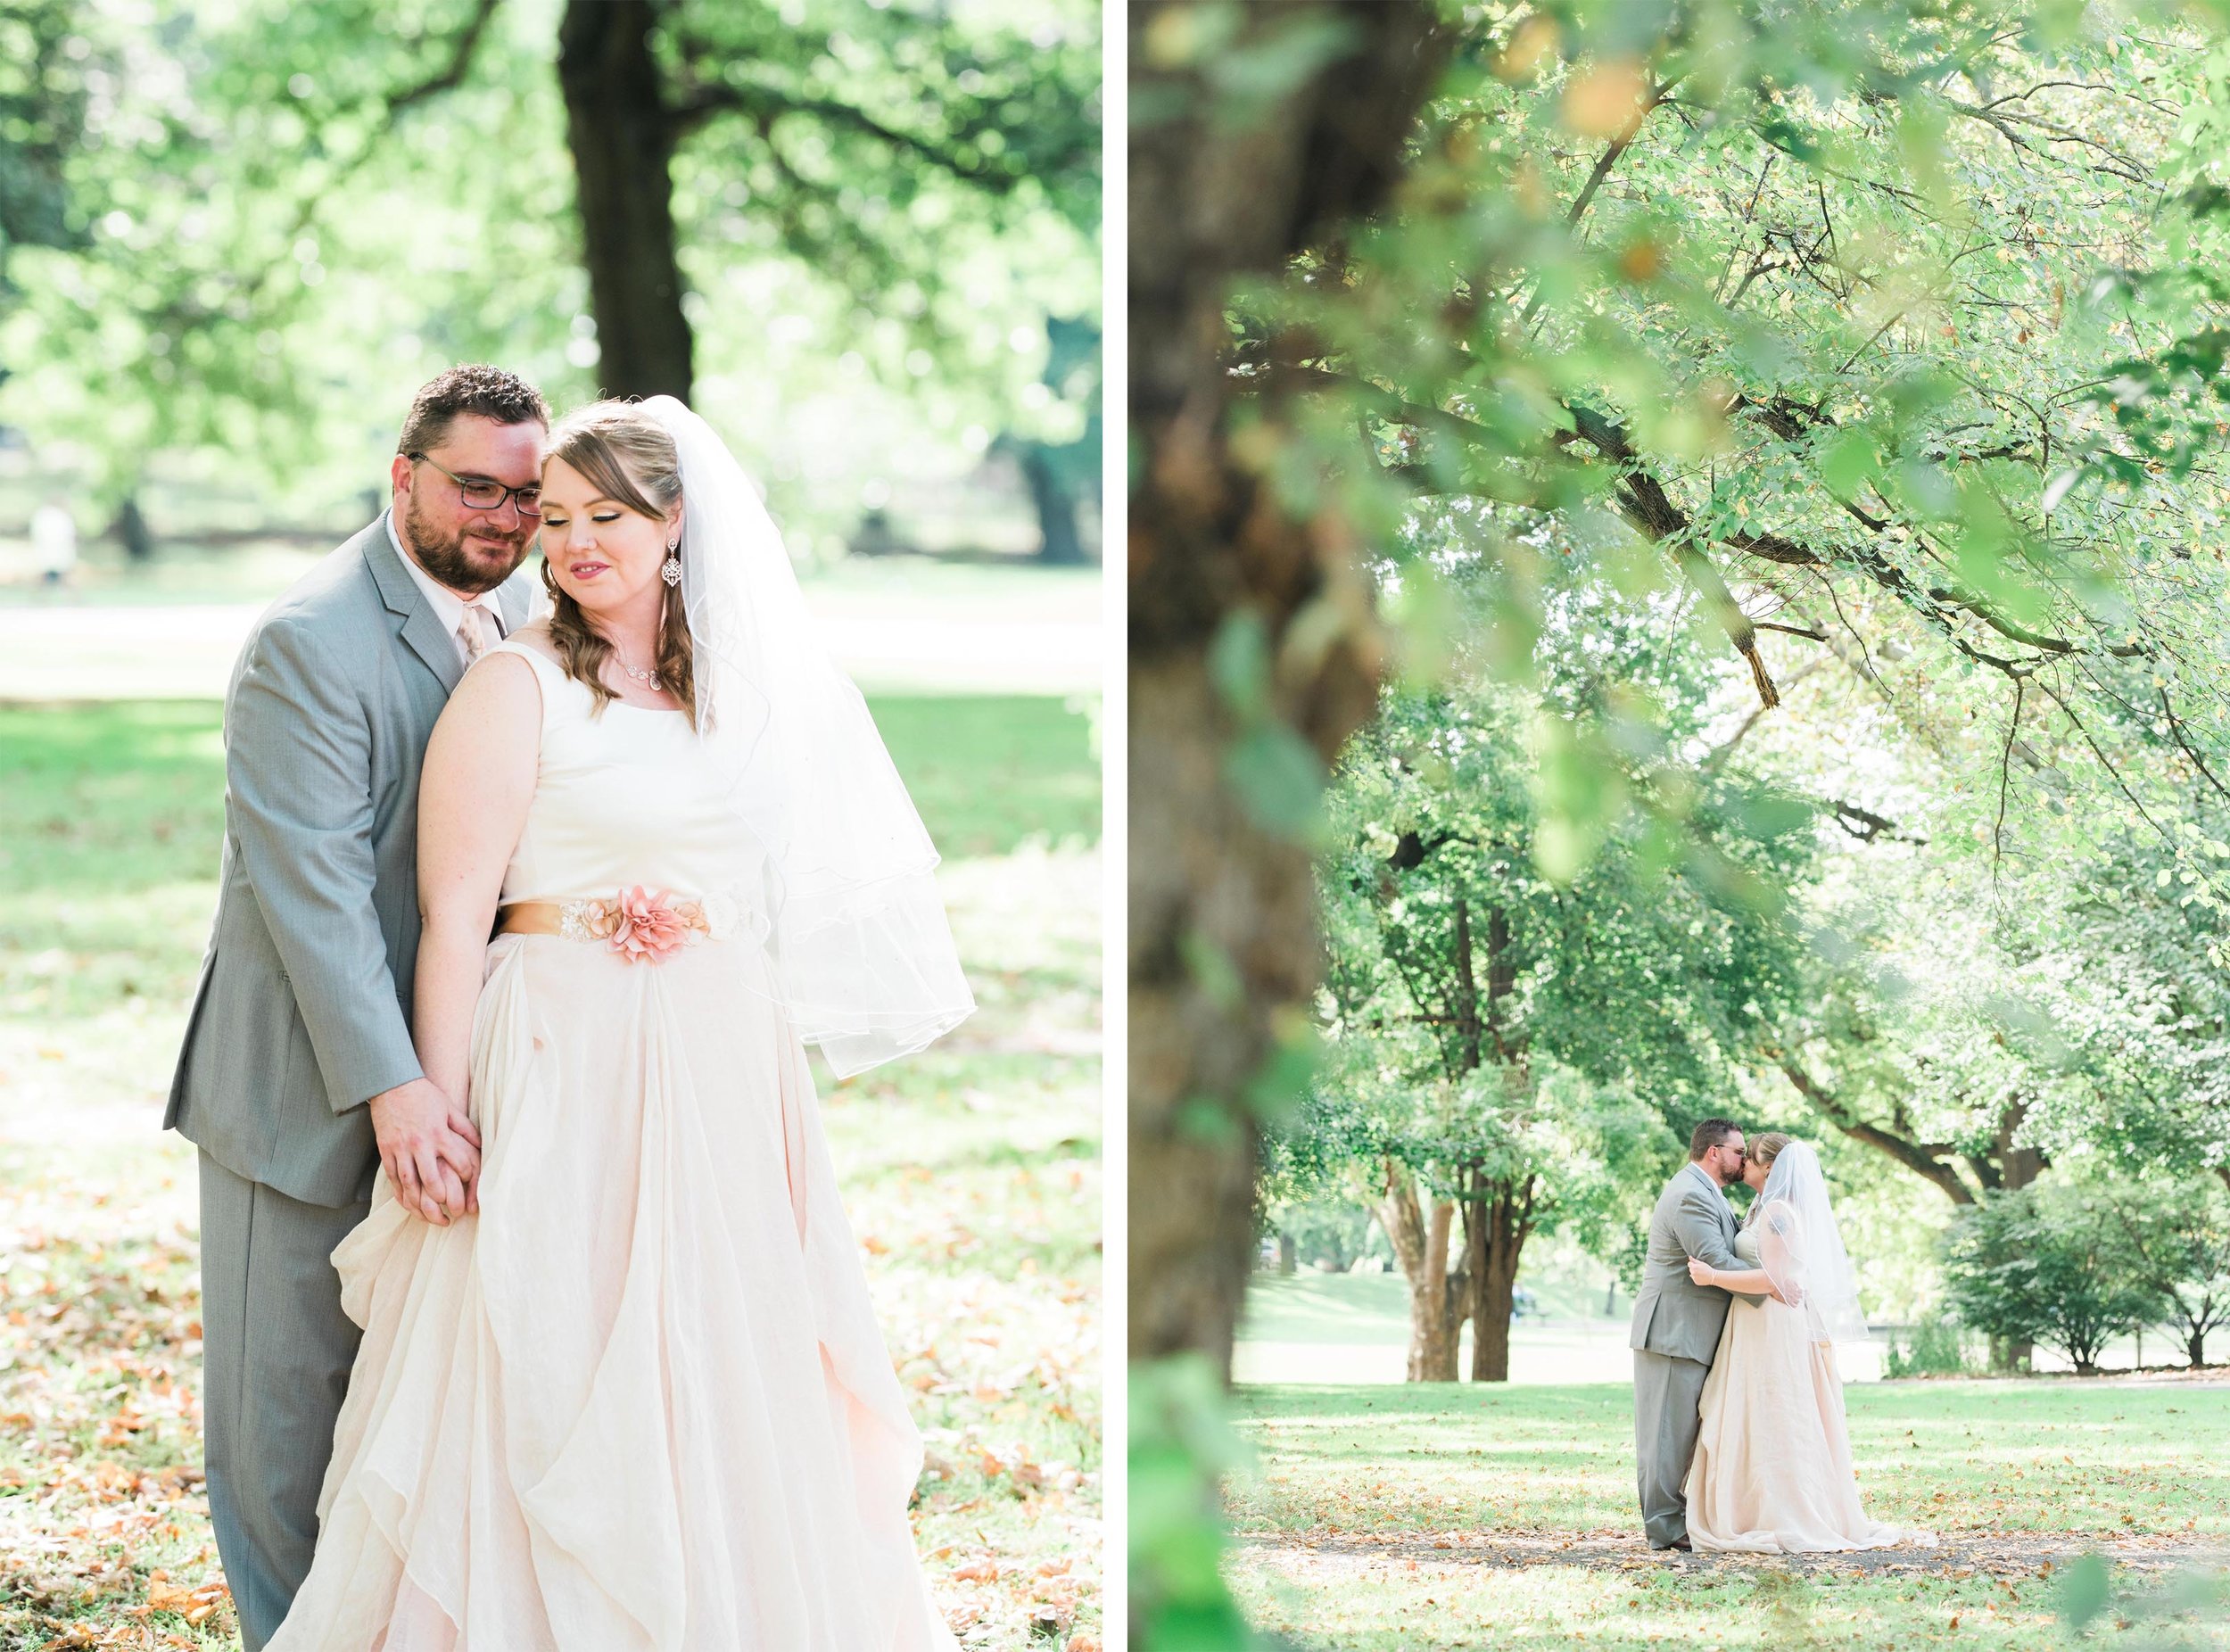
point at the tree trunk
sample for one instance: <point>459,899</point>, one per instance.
<point>1420,1246</point>
<point>1059,542</point>
<point>1212,877</point>
<point>1288,1254</point>
<point>1502,1222</point>
<point>1435,1326</point>
<point>622,137</point>
<point>2018,1167</point>
<point>1475,1273</point>
<point>1210,542</point>
<point>131,530</point>
<point>2196,1348</point>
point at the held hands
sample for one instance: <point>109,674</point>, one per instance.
<point>430,1149</point>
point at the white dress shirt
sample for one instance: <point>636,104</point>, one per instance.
<point>448,608</point>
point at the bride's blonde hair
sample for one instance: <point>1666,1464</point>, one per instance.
<point>631,460</point>
<point>1763,1149</point>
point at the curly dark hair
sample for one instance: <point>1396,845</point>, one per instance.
<point>488,391</point>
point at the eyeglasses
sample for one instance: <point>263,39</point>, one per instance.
<point>486,493</point>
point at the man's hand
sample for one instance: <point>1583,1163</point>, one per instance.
<point>431,1150</point>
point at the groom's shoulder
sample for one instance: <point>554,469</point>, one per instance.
<point>332,602</point>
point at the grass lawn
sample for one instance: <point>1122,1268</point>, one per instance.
<point>1455,1516</point>
<point>971,1175</point>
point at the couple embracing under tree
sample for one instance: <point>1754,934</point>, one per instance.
<point>1739,1431</point>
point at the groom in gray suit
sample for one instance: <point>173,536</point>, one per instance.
<point>1677,1323</point>
<point>297,1078</point>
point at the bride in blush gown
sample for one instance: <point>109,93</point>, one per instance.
<point>637,1400</point>
<point>1772,1467</point>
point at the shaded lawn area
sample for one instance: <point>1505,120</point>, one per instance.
<point>1451,1515</point>
<point>970,1173</point>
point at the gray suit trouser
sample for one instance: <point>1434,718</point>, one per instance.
<point>275,1353</point>
<point>1668,1401</point>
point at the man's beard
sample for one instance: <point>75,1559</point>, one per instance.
<point>452,565</point>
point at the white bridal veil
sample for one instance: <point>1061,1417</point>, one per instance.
<point>863,950</point>
<point>1800,1247</point>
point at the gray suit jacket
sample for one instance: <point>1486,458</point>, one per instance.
<point>303,1010</point>
<point>1672,1313</point>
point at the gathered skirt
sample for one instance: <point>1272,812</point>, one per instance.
<point>641,1400</point>
<point>1772,1470</point>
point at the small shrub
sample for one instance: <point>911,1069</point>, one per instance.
<point>2053,1263</point>
<point>1935,1347</point>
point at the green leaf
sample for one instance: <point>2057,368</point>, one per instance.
<point>1848,460</point>
<point>1239,664</point>
<point>1279,779</point>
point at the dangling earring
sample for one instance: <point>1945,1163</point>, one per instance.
<point>670,570</point>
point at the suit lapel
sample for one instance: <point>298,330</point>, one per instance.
<point>420,628</point>
<point>1718,1199</point>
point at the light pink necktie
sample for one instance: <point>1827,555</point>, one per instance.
<point>472,631</point>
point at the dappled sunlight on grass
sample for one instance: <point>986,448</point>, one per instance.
<point>1449,1516</point>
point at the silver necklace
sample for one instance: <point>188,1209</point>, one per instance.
<point>648,679</point>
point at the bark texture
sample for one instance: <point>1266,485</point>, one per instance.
<point>1208,202</point>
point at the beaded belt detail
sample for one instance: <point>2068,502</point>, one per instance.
<point>643,926</point>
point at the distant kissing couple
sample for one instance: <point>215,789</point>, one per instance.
<point>1738,1431</point>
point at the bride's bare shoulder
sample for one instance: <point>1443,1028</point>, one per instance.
<point>535,635</point>
<point>501,683</point>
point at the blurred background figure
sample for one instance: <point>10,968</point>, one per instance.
<point>53,542</point>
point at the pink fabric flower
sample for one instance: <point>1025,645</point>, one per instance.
<point>649,928</point>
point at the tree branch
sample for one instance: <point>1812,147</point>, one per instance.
<point>1868,827</point>
<point>462,54</point>
<point>766,105</point>
<point>1910,1154</point>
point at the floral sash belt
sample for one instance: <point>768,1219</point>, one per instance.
<point>643,926</point>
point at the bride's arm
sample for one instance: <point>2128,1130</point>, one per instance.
<point>1749,1281</point>
<point>1771,1229</point>
<point>473,797</point>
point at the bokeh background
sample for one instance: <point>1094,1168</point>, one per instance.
<point>862,238</point>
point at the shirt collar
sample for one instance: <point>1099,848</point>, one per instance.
<point>448,608</point>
